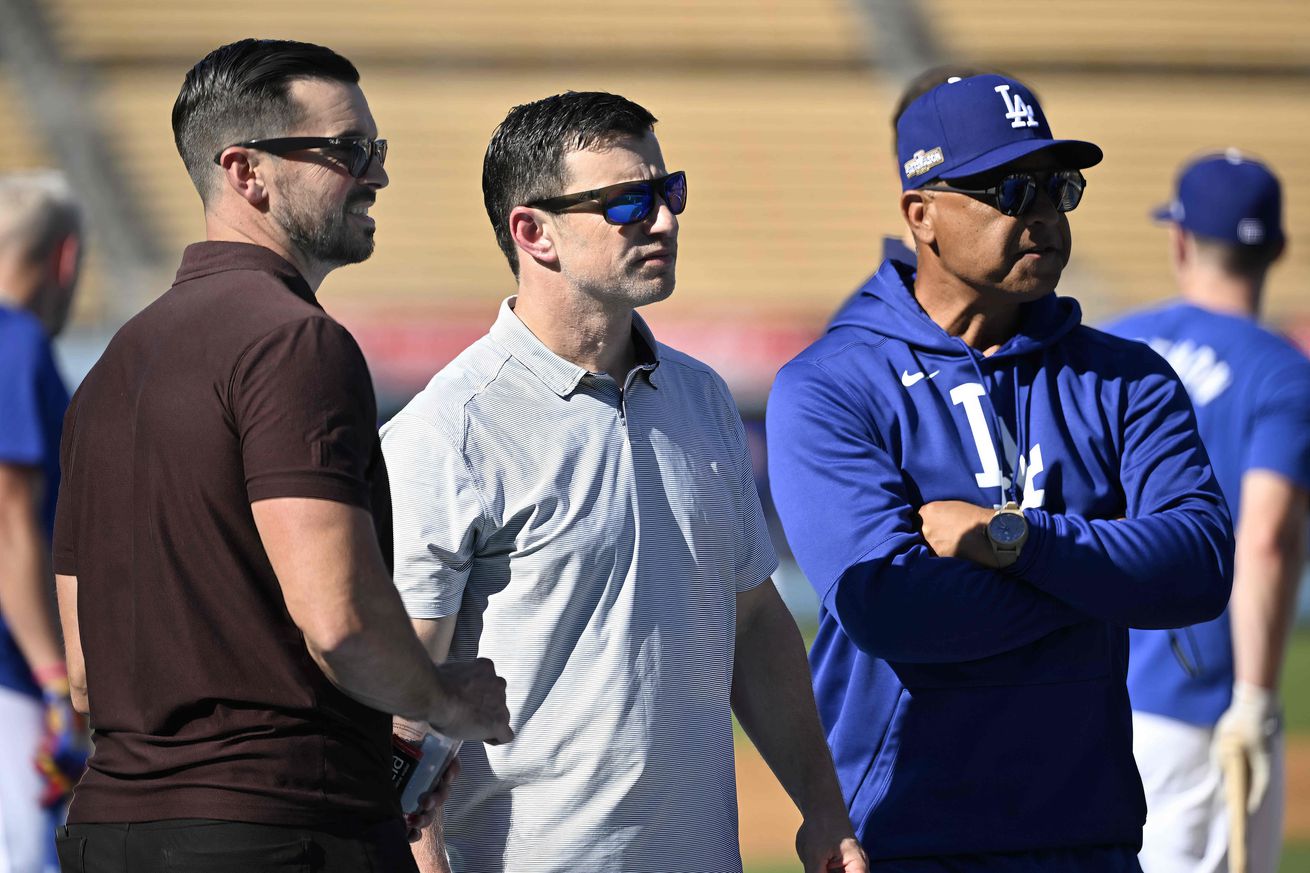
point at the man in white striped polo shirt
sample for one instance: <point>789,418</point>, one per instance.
<point>575,501</point>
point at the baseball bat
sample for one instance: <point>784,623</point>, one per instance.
<point>1237,785</point>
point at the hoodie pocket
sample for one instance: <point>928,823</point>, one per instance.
<point>1078,653</point>
<point>873,788</point>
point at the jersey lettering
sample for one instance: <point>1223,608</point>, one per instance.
<point>969,395</point>
<point>1200,370</point>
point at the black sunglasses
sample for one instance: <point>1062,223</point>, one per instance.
<point>626,202</point>
<point>359,152</point>
<point>1015,193</point>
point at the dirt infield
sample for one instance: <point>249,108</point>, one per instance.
<point>769,820</point>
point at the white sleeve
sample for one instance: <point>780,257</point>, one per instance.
<point>437,515</point>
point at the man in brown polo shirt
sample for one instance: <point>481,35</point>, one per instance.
<point>221,533</point>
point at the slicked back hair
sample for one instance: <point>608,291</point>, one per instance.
<point>241,91</point>
<point>525,158</point>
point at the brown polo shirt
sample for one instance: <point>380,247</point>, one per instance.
<point>233,387</point>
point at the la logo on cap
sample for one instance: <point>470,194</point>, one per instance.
<point>1019,112</point>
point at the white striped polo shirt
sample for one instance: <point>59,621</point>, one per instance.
<point>592,539</point>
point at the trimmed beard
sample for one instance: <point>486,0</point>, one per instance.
<point>325,238</point>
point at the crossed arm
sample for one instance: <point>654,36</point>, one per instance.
<point>904,595</point>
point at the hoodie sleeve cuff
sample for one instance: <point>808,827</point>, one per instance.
<point>1034,558</point>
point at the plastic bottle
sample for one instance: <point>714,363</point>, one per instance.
<point>415,767</point>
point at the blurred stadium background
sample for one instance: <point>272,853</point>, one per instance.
<point>777,110</point>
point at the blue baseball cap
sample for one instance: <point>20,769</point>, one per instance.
<point>1228,197</point>
<point>969,126</point>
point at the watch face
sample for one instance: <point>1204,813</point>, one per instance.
<point>1007,528</point>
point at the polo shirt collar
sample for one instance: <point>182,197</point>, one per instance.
<point>559,375</point>
<point>207,258</point>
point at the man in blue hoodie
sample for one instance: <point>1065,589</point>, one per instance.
<point>1212,688</point>
<point>986,495</point>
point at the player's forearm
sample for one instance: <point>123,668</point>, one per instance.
<point>1265,582</point>
<point>773,700</point>
<point>26,587</point>
<point>1270,551</point>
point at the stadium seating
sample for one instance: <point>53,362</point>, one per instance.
<point>1270,35</point>
<point>21,143</point>
<point>497,31</point>
<point>768,104</point>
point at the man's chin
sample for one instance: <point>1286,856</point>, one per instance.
<point>655,293</point>
<point>359,250</point>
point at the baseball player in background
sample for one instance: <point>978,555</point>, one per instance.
<point>1210,686</point>
<point>43,743</point>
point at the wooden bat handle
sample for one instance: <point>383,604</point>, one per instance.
<point>1237,786</point>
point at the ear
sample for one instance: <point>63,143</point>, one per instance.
<point>532,236</point>
<point>67,259</point>
<point>917,211</point>
<point>1179,246</point>
<point>243,174</point>
<point>1280,251</point>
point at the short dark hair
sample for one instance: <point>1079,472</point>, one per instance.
<point>242,91</point>
<point>525,158</point>
<point>1250,261</point>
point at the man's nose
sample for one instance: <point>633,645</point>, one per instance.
<point>375,176</point>
<point>1043,208</point>
<point>663,220</point>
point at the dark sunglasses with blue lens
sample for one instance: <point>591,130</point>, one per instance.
<point>1014,193</point>
<point>626,202</point>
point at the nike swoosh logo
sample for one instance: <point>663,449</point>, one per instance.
<point>907,379</point>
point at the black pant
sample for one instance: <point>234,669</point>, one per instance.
<point>205,846</point>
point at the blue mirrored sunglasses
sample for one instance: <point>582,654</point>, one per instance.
<point>626,202</point>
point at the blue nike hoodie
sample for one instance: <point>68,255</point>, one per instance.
<point>973,711</point>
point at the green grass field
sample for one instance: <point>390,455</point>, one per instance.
<point>1296,699</point>
<point>1296,694</point>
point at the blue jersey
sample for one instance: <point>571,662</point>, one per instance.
<point>1251,391</point>
<point>32,404</point>
<point>971,711</point>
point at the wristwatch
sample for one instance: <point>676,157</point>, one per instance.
<point>1007,530</point>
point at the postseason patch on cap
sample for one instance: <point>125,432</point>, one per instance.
<point>922,162</point>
